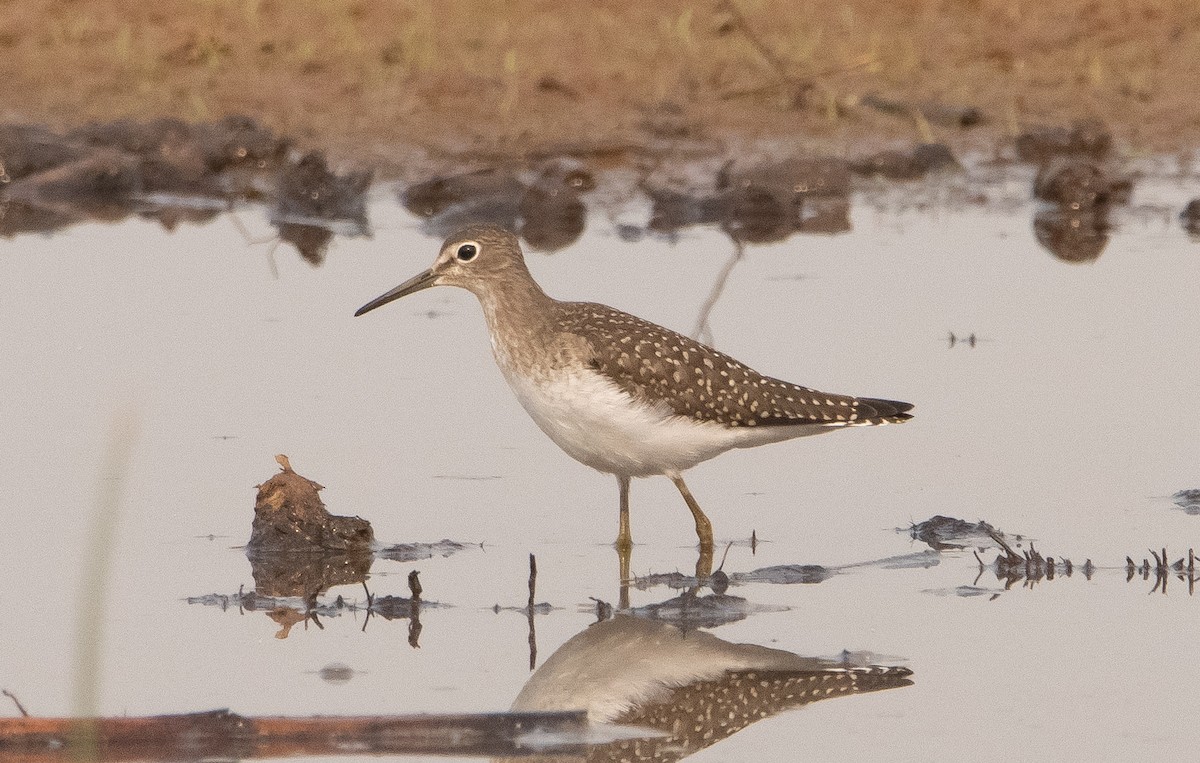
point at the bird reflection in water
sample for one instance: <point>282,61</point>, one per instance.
<point>692,687</point>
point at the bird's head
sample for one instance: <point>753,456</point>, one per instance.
<point>474,258</point>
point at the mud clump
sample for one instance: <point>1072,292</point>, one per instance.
<point>542,203</point>
<point>551,218</point>
<point>1190,217</point>
<point>1089,138</point>
<point>792,178</point>
<point>922,160</point>
<point>18,217</point>
<point>239,140</point>
<point>486,187</point>
<point>169,152</point>
<point>94,183</point>
<point>171,171</point>
<point>29,149</point>
<point>290,516</point>
<point>310,198</point>
<point>1073,176</point>
<point>1072,236</point>
<point>761,203</point>
<point>1077,184</point>
<point>307,188</point>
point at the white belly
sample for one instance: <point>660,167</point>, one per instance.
<point>600,425</point>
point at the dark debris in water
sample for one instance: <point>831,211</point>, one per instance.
<point>1188,500</point>
<point>411,552</point>
<point>942,533</point>
<point>1184,569</point>
<point>785,574</point>
<point>691,611</point>
<point>389,607</point>
<point>1031,567</point>
<point>781,574</point>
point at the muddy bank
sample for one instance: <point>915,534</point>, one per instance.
<point>393,84</point>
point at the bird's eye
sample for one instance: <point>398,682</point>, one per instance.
<point>466,252</point>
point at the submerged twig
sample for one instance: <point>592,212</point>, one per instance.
<point>532,580</point>
<point>20,708</point>
<point>414,610</point>
<point>530,610</point>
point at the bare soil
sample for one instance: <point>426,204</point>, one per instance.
<point>397,84</point>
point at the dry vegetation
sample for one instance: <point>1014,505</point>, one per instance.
<point>374,78</point>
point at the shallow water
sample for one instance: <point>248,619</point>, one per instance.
<point>1071,420</point>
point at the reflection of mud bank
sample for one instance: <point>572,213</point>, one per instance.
<point>177,172</point>
<point>173,171</point>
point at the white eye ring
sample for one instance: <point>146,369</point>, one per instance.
<point>466,251</point>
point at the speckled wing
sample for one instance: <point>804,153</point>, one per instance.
<point>657,365</point>
<point>701,714</point>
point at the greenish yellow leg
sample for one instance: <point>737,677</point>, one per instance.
<point>624,536</point>
<point>703,528</point>
<point>624,544</point>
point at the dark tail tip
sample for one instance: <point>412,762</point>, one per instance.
<point>886,409</point>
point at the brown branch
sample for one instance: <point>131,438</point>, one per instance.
<point>222,734</point>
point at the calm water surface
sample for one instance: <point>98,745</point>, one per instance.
<point>1071,421</point>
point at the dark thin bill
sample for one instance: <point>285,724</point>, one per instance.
<point>414,284</point>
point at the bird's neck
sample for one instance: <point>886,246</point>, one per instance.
<point>520,318</point>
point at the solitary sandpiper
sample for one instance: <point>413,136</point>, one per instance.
<point>618,393</point>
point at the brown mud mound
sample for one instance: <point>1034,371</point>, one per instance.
<point>290,516</point>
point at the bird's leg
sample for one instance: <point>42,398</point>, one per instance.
<point>703,528</point>
<point>624,544</point>
<point>624,537</point>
